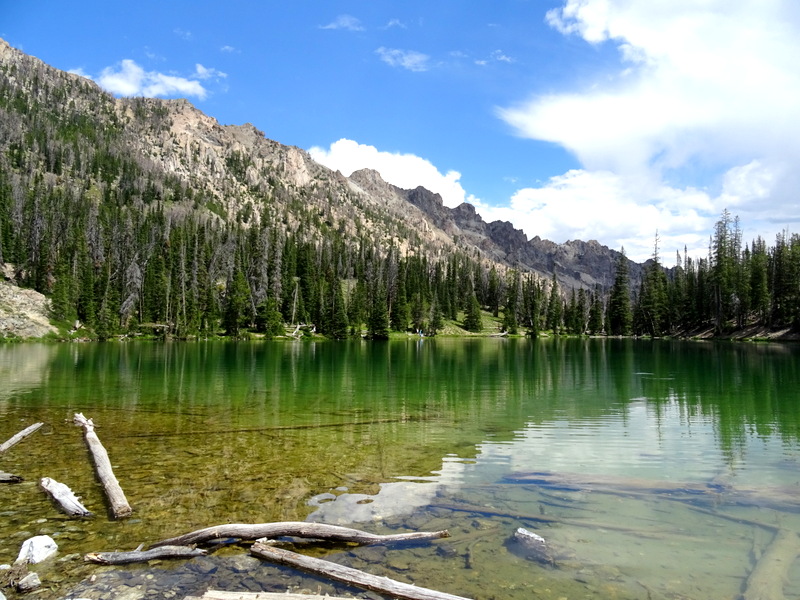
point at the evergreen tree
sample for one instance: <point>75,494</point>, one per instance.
<point>473,321</point>
<point>378,320</point>
<point>555,309</point>
<point>269,320</point>
<point>236,304</point>
<point>619,302</point>
<point>436,319</point>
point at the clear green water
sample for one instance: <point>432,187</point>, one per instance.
<point>655,469</point>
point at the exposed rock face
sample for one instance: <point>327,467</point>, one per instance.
<point>23,313</point>
<point>234,173</point>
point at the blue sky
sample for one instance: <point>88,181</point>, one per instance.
<point>573,119</point>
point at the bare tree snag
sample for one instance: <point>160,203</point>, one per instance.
<point>348,575</point>
<point>768,577</point>
<point>319,531</point>
<point>116,497</point>
<point>19,437</point>
<point>9,478</point>
<point>64,498</point>
<point>136,556</point>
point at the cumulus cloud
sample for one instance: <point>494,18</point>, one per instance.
<point>704,94</point>
<point>346,22</point>
<point>406,59</point>
<point>406,171</point>
<point>129,79</point>
<point>618,211</point>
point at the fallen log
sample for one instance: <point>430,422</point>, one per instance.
<point>768,577</point>
<point>302,529</point>
<point>348,575</point>
<point>116,497</point>
<point>9,478</point>
<point>64,498</point>
<point>136,556</point>
<point>19,437</point>
<point>221,595</point>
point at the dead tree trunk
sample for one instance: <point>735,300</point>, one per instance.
<point>136,556</point>
<point>768,577</point>
<point>348,575</point>
<point>116,497</point>
<point>9,478</point>
<point>19,437</point>
<point>318,531</point>
<point>64,498</point>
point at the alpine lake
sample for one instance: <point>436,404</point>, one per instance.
<point>654,469</point>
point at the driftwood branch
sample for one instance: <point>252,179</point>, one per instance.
<point>19,437</point>
<point>64,498</point>
<point>9,478</point>
<point>348,575</point>
<point>135,556</point>
<point>319,531</point>
<point>116,497</point>
<point>768,577</point>
<point>221,595</point>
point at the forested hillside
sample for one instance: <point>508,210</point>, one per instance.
<point>142,215</point>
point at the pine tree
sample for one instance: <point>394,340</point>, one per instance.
<point>619,301</point>
<point>473,320</point>
<point>555,309</point>
<point>236,304</point>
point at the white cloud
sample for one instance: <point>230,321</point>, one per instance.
<point>201,72</point>
<point>228,49</point>
<point>704,92</point>
<point>346,22</point>
<point>183,34</point>
<point>129,79</point>
<point>617,211</point>
<point>406,171</point>
<point>407,59</point>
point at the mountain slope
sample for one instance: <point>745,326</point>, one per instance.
<point>137,210</point>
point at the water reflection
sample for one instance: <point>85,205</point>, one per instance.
<point>402,434</point>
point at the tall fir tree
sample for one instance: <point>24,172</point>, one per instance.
<point>619,302</point>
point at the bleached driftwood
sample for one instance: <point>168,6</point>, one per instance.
<point>19,437</point>
<point>348,575</point>
<point>116,497</point>
<point>64,498</point>
<point>9,478</point>
<point>319,531</point>
<point>222,595</point>
<point>768,577</point>
<point>135,556</point>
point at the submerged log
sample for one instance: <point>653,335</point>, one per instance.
<point>9,478</point>
<point>768,577</point>
<point>19,437</point>
<point>64,498</point>
<point>136,556</point>
<point>778,497</point>
<point>348,575</point>
<point>116,497</point>
<point>319,531</point>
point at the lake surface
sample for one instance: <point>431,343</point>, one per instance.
<point>654,469</point>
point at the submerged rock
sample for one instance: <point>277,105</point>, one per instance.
<point>534,547</point>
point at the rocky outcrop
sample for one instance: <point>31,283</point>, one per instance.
<point>23,313</point>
